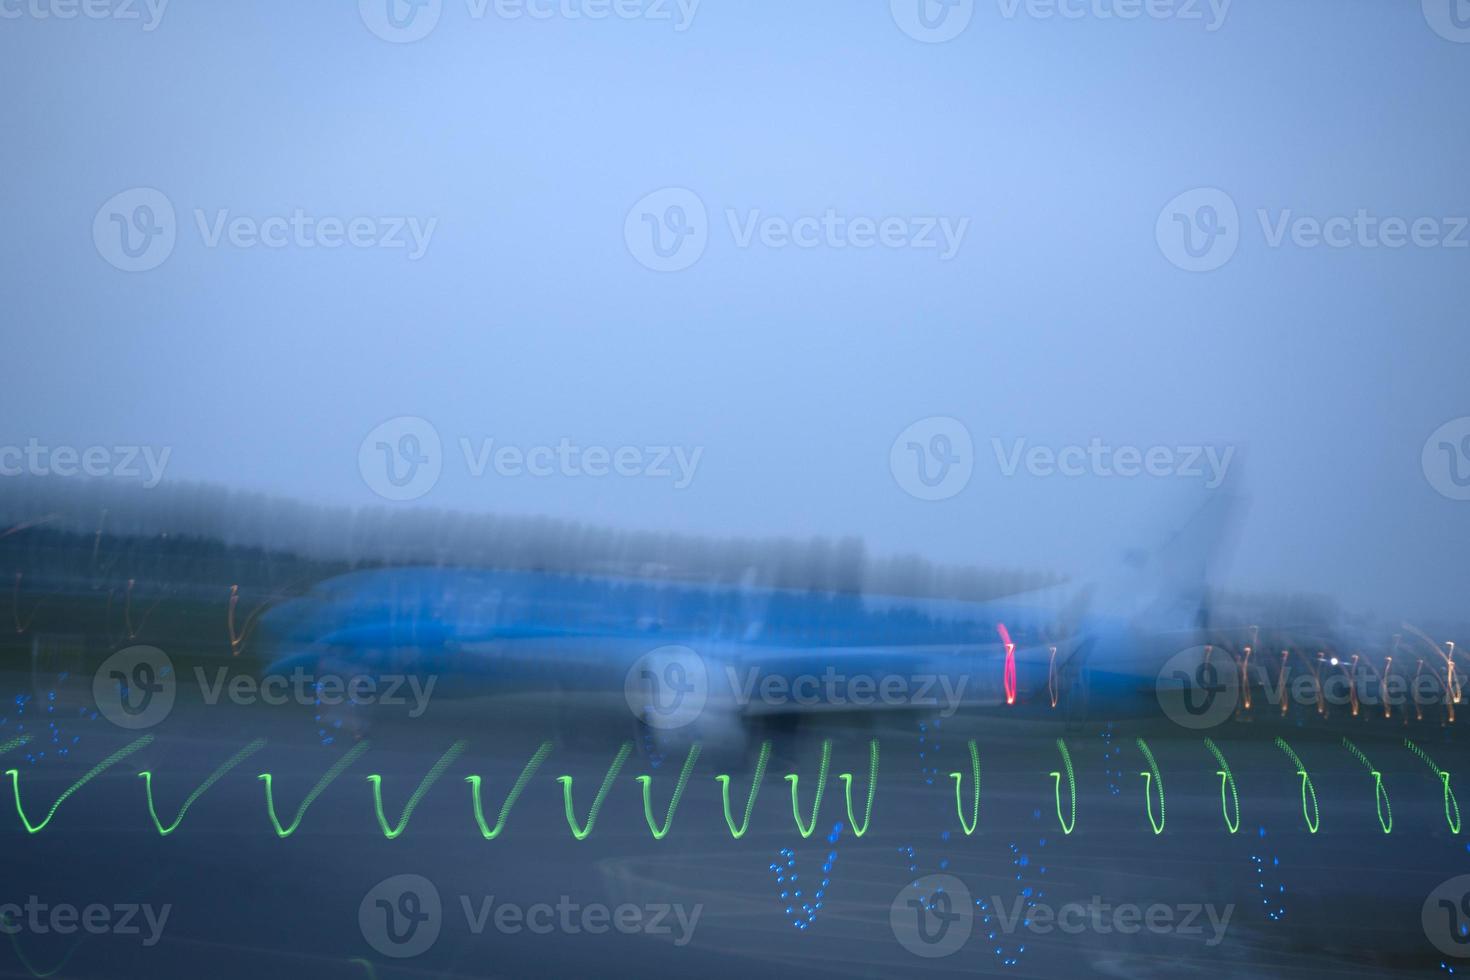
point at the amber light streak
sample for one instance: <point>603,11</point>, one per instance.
<point>15,608</point>
<point>1388,666</point>
<point>133,631</point>
<point>237,639</point>
<point>1449,680</point>
<point>1245,677</point>
<point>1351,669</point>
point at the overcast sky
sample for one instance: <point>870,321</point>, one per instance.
<point>1026,285</point>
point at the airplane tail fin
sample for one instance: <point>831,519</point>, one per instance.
<point>1169,586</point>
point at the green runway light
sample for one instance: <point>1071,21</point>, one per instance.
<point>959,777</point>
<point>92,773</point>
<point>806,829</point>
<point>1380,795</point>
<point>14,930</point>
<point>659,833</point>
<point>1451,805</point>
<point>430,778</point>
<point>1309,793</point>
<point>755,788</point>
<point>214,777</point>
<point>1071,788</point>
<point>527,772</point>
<point>580,831</point>
<point>329,777</point>
<point>806,822</point>
<point>1226,779</point>
<point>846,778</point>
<point>1152,778</point>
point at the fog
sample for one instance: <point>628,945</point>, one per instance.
<point>1025,292</point>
